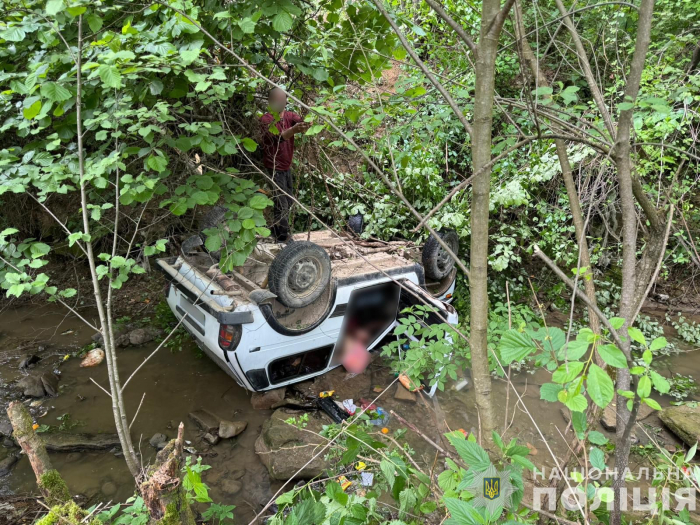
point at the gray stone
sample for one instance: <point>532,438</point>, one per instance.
<point>68,442</point>
<point>50,382</point>
<point>31,386</point>
<point>157,439</point>
<point>229,429</point>
<point>236,474</point>
<point>404,395</point>
<point>7,464</point>
<point>284,448</point>
<point>29,361</point>
<point>683,421</point>
<point>265,400</point>
<point>142,336</point>
<point>9,443</point>
<point>5,427</point>
<point>205,420</point>
<point>608,419</point>
<point>109,488</point>
<point>210,438</point>
<point>230,486</point>
<point>73,456</point>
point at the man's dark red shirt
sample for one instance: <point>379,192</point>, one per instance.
<point>277,152</point>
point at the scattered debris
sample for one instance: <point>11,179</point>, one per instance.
<point>335,412</point>
<point>408,383</point>
<point>349,406</point>
<point>93,358</point>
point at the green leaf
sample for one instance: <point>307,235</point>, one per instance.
<point>562,375</point>
<point>387,469</point>
<point>95,22</point>
<point>600,386</point>
<point>54,92</point>
<point>515,346</point>
<point>658,344</point>
<point>637,335</point>
<point>157,163</point>
<point>597,438</point>
<point>612,355</point>
<point>282,21</point>
<point>13,34</point>
<point>644,387</point>
<point>624,106</point>
<point>249,224</point>
<point>573,350</point>
<point>259,202</point>
<point>463,513</point>
<point>652,403</point>
<point>110,75</point>
<point>39,249</point>
<point>647,357</point>
<point>249,144</point>
<point>32,111</point>
<point>76,10</point>
<point>549,392</point>
<point>315,130</point>
<point>472,454</point>
<point>53,7</point>
<point>213,243</point>
<point>597,458</point>
<point>661,384</point>
<point>617,322</point>
<point>247,25</point>
<point>577,403</point>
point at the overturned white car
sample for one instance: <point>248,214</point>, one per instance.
<point>280,318</point>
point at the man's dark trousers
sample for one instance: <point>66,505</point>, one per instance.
<point>281,196</point>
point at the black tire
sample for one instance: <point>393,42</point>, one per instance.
<point>436,261</point>
<point>356,223</point>
<point>299,274</point>
<point>212,219</point>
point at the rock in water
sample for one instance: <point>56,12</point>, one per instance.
<point>157,439</point>
<point>93,358</point>
<point>29,361</point>
<point>50,382</point>
<point>683,421</point>
<point>205,420</point>
<point>229,429</point>
<point>68,442</point>
<point>231,487</point>
<point>265,400</point>
<point>284,448</point>
<point>210,438</point>
<point>109,488</point>
<point>7,464</point>
<point>142,336</point>
<point>31,386</point>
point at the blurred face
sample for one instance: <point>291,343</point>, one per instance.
<point>278,101</point>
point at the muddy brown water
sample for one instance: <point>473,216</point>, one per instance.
<point>176,383</point>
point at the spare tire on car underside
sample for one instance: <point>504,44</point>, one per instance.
<point>299,274</point>
<point>436,261</point>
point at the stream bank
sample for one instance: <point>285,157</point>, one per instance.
<point>179,383</point>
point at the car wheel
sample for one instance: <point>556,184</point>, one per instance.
<point>356,223</point>
<point>436,261</point>
<point>299,274</point>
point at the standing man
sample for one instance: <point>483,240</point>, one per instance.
<point>278,152</point>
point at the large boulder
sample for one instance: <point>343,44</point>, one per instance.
<point>50,382</point>
<point>683,421</point>
<point>206,421</point>
<point>284,449</point>
<point>268,399</point>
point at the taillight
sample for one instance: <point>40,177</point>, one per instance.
<point>229,336</point>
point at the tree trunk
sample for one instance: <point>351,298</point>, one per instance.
<point>481,155</point>
<point>566,173</point>
<point>50,483</point>
<point>163,492</point>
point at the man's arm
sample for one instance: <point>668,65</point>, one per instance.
<point>299,127</point>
